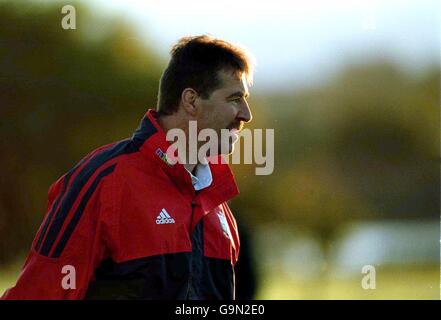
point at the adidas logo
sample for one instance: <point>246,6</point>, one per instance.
<point>164,218</point>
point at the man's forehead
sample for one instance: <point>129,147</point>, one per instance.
<point>234,82</point>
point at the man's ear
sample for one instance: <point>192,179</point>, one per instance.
<point>188,99</point>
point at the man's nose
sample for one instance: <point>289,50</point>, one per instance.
<point>245,112</point>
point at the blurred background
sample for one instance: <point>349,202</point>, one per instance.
<point>351,88</point>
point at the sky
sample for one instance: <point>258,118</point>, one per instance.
<point>295,43</point>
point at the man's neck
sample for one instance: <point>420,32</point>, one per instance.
<point>190,168</point>
<point>167,122</point>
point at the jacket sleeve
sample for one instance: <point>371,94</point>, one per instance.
<point>70,244</point>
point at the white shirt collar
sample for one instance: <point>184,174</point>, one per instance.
<point>202,177</point>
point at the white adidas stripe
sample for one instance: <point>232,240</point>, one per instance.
<point>166,213</point>
<point>162,214</point>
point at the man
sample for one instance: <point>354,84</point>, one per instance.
<point>125,223</point>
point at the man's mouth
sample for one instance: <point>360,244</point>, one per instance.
<point>236,127</point>
<point>234,132</point>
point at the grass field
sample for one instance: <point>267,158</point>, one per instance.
<point>9,274</point>
<point>391,283</point>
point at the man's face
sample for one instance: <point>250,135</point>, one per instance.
<point>226,108</point>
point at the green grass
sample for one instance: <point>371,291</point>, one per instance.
<point>9,274</point>
<point>391,283</point>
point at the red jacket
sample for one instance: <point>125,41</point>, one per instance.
<point>133,227</point>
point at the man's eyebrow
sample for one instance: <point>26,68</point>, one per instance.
<point>238,94</point>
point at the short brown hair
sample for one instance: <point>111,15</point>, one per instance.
<point>195,63</point>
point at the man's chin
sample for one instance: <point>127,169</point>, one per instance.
<point>226,149</point>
